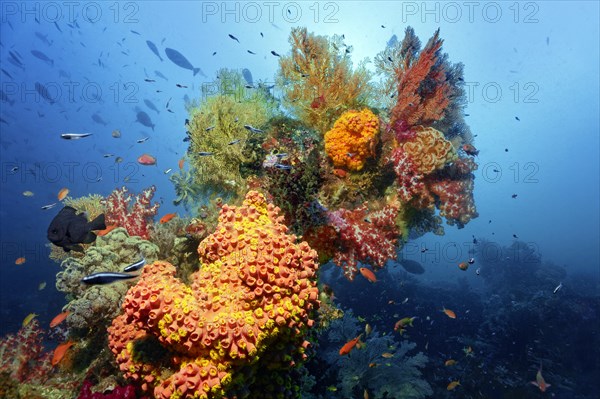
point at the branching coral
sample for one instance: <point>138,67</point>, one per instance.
<point>318,80</point>
<point>352,139</point>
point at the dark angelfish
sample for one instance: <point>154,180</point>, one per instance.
<point>69,229</point>
<point>154,49</point>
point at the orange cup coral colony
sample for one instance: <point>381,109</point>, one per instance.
<point>256,289</point>
<point>353,139</point>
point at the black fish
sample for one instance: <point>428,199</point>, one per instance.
<point>234,38</point>
<point>69,229</point>
<point>275,53</point>
<point>251,52</point>
<point>151,105</point>
<point>106,278</point>
<point>412,266</point>
<point>42,56</point>
<point>214,53</point>
<point>178,59</point>
<point>98,119</point>
<point>154,49</point>
<point>514,196</point>
<point>517,118</point>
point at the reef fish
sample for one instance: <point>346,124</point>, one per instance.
<point>144,119</point>
<point>106,278</point>
<point>412,266</point>
<point>539,381</point>
<point>28,319</point>
<point>247,76</point>
<point>368,274</point>
<point>167,218</point>
<point>151,105</point>
<point>42,56</point>
<point>178,59</point>
<point>69,229</point>
<point>20,261</point>
<point>463,265</point>
<point>449,313</point>
<point>74,136</point>
<point>348,346</point>
<point>135,266</point>
<point>60,352</point>
<point>401,324</point>
<point>453,385</point>
<point>153,48</point>
<point>63,193</point>
<point>146,159</point>
<point>59,318</point>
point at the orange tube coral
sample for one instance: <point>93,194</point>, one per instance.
<point>352,139</point>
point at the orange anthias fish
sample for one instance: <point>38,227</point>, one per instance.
<point>450,362</point>
<point>539,381</point>
<point>60,352</point>
<point>181,163</point>
<point>167,217</point>
<point>59,318</point>
<point>20,261</point>
<point>348,346</point>
<point>107,230</point>
<point>63,193</point>
<point>369,275</point>
<point>146,159</point>
<point>452,385</point>
<point>449,313</point>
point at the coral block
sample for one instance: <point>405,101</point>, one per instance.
<point>352,139</point>
<point>429,150</point>
<point>249,306</point>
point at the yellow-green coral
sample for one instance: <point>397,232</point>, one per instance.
<point>318,79</point>
<point>91,204</point>
<point>217,127</point>
<point>429,150</point>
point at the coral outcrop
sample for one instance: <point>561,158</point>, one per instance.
<point>248,308</point>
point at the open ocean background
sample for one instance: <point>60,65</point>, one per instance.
<point>531,70</point>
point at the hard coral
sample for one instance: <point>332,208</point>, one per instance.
<point>134,217</point>
<point>352,139</point>
<point>249,306</point>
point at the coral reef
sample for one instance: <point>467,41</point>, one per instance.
<point>366,236</point>
<point>318,81</point>
<point>352,139</point>
<point>249,307</point>
<point>221,126</point>
<point>134,217</point>
<point>92,205</point>
<point>428,150</point>
<point>97,305</point>
<point>22,357</point>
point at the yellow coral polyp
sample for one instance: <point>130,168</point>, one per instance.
<point>353,139</point>
<point>429,150</point>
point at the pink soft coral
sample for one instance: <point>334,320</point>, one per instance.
<point>134,218</point>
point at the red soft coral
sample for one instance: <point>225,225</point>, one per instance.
<point>134,218</point>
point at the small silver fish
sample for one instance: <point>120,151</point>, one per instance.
<point>208,129</point>
<point>281,155</point>
<point>471,261</point>
<point>234,142</point>
<point>205,153</point>
<point>166,172</point>
<point>74,136</point>
<point>106,278</point>
<point>108,155</point>
<point>478,271</point>
<point>135,266</point>
<point>49,206</point>
<point>14,170</point>
<point>140,141</point>
<point>558,287</point>
<point>253,129</point>
<point>282,166</point>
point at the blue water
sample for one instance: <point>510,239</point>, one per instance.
<point>531,71</point>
